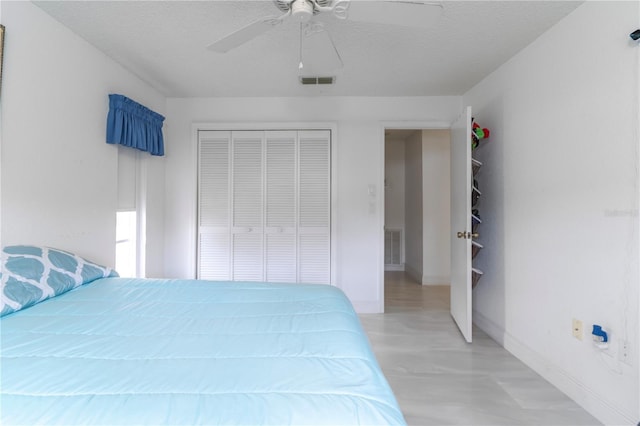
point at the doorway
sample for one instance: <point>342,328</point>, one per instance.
<point>417,218</point>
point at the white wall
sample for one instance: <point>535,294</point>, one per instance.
<point>59,177</point>
<point>560,192</point>
<point>394,188</point>
<point>413,207</point>
<point>436,207</point>
<point>360,149</point>
<point>394,184</point>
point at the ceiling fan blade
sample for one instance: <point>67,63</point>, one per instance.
<point>245,34</point>
<point>421,14</point>
<point>319,53</point>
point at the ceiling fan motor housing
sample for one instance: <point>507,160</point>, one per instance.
<point>302,10</point>
<point>286,5</point>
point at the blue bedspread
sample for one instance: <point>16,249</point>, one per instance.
<point>183,352</point>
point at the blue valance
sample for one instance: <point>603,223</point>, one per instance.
<point>134,125</point>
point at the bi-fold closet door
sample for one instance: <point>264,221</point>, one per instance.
<point>264,206</point>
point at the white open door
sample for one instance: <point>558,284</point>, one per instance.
<point>461,223</point>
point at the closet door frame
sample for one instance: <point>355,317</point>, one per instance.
<point>332,127</point>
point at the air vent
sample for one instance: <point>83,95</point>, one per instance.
<point>393,243</point>
<point>317,80</point>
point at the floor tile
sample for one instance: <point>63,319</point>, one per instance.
<point>439,379</point>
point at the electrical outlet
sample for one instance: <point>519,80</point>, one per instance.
<point>576,329</point>
<point>624,351</point>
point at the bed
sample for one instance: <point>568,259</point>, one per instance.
<point>118,351</point>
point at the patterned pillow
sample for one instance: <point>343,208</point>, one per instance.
<point>32,274</point>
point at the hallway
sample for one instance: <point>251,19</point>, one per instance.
<point>439,379</point>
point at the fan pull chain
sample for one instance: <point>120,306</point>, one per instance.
<point>300,65</point>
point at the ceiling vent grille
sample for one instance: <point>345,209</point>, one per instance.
<point>317,80</point>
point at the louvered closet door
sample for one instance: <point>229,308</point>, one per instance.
<point>264,206</point>
<point>280,206</point>
<point>314,207</point>
<point>247,206</point>
<point>213,205</point>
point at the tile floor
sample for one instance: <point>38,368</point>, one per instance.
<point>439,379</point>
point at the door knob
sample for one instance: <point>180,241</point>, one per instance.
<point>467,235</point>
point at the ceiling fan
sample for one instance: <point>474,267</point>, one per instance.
<point>410,13</point>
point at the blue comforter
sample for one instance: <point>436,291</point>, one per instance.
<point>184,352</point>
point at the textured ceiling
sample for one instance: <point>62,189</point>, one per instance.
<point>165,43</point>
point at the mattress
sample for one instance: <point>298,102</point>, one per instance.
<point>123,351</point>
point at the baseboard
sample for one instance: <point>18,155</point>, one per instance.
<point>394,267</point>
<point>435,280</point>
<point>413,273</point>
<point>587,398</point>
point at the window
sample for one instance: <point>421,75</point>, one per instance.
<point>126,253</point>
